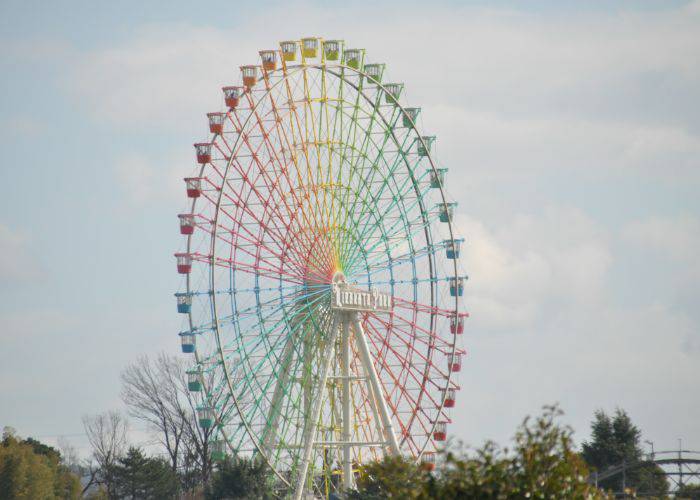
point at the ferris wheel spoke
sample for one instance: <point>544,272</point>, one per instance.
<point>380,157</point>
<point>417,223</point>
<point>400,392</point>
<point>272,152</point>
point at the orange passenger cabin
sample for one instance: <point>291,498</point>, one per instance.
<point>269,60</point>
<point>232,96</point>
<point>216,122</point>
<point>250,75</point>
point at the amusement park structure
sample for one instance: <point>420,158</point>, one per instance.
<point>321,280</point>
<point>681,467</point>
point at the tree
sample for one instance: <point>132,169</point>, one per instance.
<point>30,469</point>
<point>615,441</point>
<point>157,393</point>
<point>144,478</point>
<point>241,478</point>
<point>151,390</point>
<point>393,477</point>
<point>542,464</point>
<point>688,492</point>
<point>106,433</point>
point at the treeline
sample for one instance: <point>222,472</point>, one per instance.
<point>542,461</point>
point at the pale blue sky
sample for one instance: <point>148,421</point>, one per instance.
<point>572,134</point>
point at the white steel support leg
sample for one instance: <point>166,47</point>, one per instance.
<point>347,449</point>
<point>362,346</point>
<point>276,407</point>
<point>310,425</point>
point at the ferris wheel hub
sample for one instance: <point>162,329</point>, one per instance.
<point>338,277</point>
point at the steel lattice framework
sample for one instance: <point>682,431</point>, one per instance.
<point>315,170</point>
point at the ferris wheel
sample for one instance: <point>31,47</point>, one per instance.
<point>321,285</point>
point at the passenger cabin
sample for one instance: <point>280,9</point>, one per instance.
<point>194,187</point>
<point>447,211</point>
<point>450,398</point>
<point>456,287</point>
<point>455,363</point>
<point>205,415</point>
<point>232,96</point>
<point>375,71</point>
<point>184,263</point>
<point>457,324</point>
<point>250,75</point>
<point>194,380</point>
<point>437,177</point>
<point>425,145</point>
<point>186,223</point>
<point>440,432</point>
<point>289,50</point>
<point>187,342</point>
<point>393,92</point>
<point>216,123</point>
<point>331,48</point>
<point>203,150</point>
<point>428,461</point>
<point>309,47</point>
<point>269,59</point>
<point>410,115</point>
<point>353,58</point>
<point>218,450</point>
<point>452,248</point>
<point>184,303</point>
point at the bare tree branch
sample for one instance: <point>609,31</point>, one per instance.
<point>107,435</point>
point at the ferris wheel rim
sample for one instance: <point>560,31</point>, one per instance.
<point>212,254</point>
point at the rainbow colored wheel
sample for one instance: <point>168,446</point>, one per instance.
<point>322,287</point>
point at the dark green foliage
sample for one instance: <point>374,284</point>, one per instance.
<point>688,492</point>
<point>615,440</point>
<point>393,477</point>
<point>144,478</point>
<point>542,464</point>
<point>241,478</point>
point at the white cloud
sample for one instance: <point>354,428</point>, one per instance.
<point>674,237</point>
<point>518,270</point>
<point>146,181</point>
<point>17,264</point>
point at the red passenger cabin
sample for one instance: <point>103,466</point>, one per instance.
<point>186,223</point>
<point>456,362</point>
<point>457,324</point>
<point>184,263</point>
<point>450,398</point>
<point>194,187</point>
<point>203,150</point>
<point>440,432</point>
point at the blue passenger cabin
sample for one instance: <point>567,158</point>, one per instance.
<point>452,248</point>
<point>188,342</point>
<point>184,303</point>
<point>447,211</point>
<point>456,287</point>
